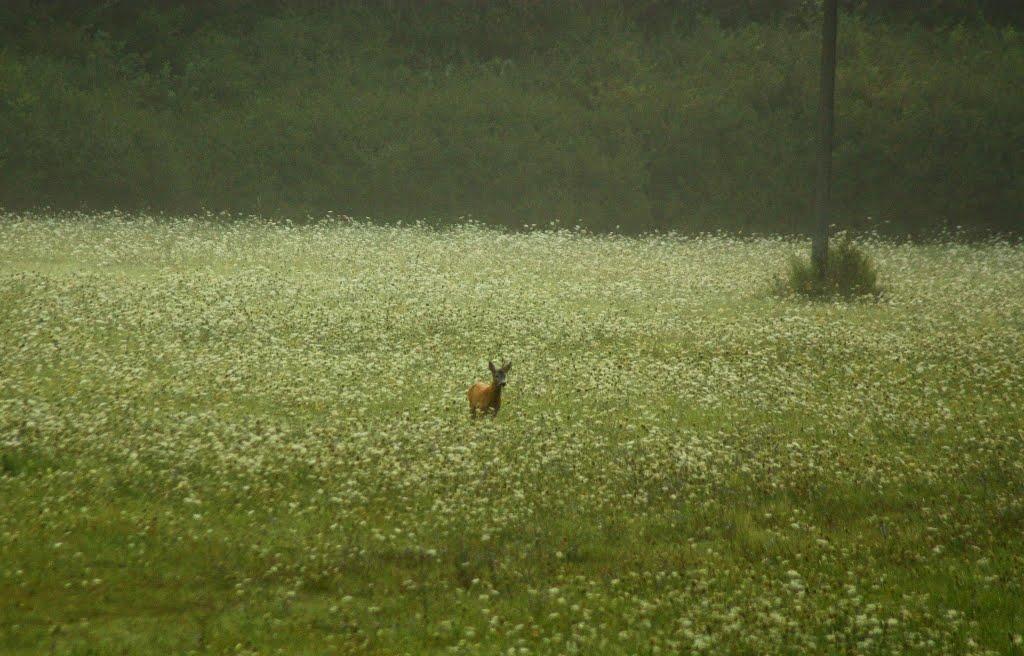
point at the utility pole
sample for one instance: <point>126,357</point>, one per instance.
<point>826,110</point>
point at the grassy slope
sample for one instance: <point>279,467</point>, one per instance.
<point>235,439</point>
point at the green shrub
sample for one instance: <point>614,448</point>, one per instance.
<point>850,273</point>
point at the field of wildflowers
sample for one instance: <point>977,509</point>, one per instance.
<point>246,438</point>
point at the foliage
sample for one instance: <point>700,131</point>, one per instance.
<point>514,112</point>
<point>849,273</point>
<point>254,438</point>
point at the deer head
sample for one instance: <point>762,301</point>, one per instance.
<point>498,375</point>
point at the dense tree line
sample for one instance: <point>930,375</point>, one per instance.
<point>687,114</point>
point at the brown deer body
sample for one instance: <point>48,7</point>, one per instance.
<point>483,397</point>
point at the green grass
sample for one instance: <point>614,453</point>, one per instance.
<point>849,274</point>
<point>254,439</point>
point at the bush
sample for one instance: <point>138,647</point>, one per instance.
<point>850,273</point>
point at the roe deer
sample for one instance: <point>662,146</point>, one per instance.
<point>486,397</point>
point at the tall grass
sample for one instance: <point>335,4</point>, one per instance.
<point>850,272</point>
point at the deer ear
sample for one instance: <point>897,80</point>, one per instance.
<point>490,365</point>
<point>508,366</point>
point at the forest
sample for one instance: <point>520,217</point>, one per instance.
<point>668,115</point>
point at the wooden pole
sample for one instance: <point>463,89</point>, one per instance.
<point>826,109</point>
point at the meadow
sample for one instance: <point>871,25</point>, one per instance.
<point>253,438</point>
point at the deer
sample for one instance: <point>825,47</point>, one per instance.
<point>483,397</point>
